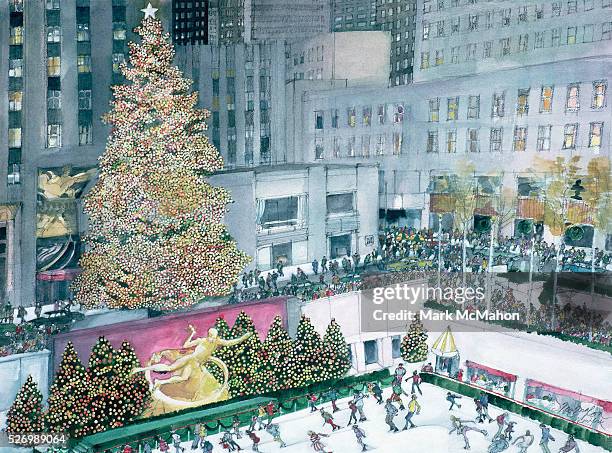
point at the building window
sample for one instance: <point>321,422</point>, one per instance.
<point>546,99</point>
<point>453,109</point>
<point>340,203</point>
<point>487,49</point>
<point>439,57</point>
<point>506,15</point>
<point>455,25</point>
<point>15,67</point>
<point>16,36</point>
<point>85,134</point>
<point>15,100</point>
<point>381,114</point>
<point>470,54</point>
<point>83,32</point>
<point>84,64</point>
<point>426,27</point>
<point>371,351</point>
<point>572,6</point>
<point>473,107</point>
<point>54,135</point>
<point>520,138</point>
<point>451,141</point>
<point>365,146</point>
<point>571,35</point>
<point>556,8</point>
<point>319,152</point>
<point>570,131</point>
<point>498,105</point>
<point>595,136</point>
<point>367,116</point>
<point>397,143</point>
<point>544,133</point>
<point>523,43</point>
<point>496,139</point>
<point>278,212</point>
<point>334,118</point>
<point>473,22</point>
<point>504,45</point>
<point>432,142</point>
<point>522,104</point>
<point>350,147</point>
<point>54,34</point>
<point>472,141</point>
<point>599,95</point>
<point>606,31</point>
<point>336,150</point>
<point>588,32</point>
<point>380,145</point>
<point>53,66</point>
<point>555,37</point>
<point>84,99</point>
<point>454,55</point>
<point>54,99</point>
<point>398,114</point>
<point>522,15</point>
<point>119,33</point>
<point>539,40</point>
<point>396,351</point>
<point>440,29</point>
<point>572,103</point>
<point>53,4</point>
<point>14,137</point>
<point>319,120</point>
<point>424,60</point>
<point>118,60</point>
<point>434,110</point>
<point>351,117</point>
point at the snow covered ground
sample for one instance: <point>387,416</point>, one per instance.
<point>430,435</point>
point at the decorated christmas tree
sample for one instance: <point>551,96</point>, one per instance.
<point>116,396</point>
<point>223,353</point>
<point>156,237</point>
<point>277,359</point>
<point>243,359</point>
<point>336,359</point>
<point>68,401</point>
<point>307,348</point>
<point>414,343</point>
<point>25,415</point>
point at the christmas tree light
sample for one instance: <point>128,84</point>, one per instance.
<point>414,344</point>
<point>336,360</point>
<point>25,415</point>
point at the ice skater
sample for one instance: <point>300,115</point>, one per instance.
<point>312,402</point>
<point>255,439</point>
<point>413,408</point>
<point>546,437</point>
<point>484,402</point>
<point>360,435</point>
<point>400,372</point>
<point>329,419</point>
<point>333,397</point>
<point>353,417</point>
<point>570,445</point>
<point>502,420</point>
<point>236,427</point>
<point>316,442</point>
<point>416,382</point>
<point>452,398</point>
<point>524,442</point>
<point>358,400</point>
<point>391,411</point>
<point>274,430</point>
<point>228,439</point>
<point>509,430</point>
<point>499,444</point>
<point>461,428</point>
<point>375,390</point>
<point>397,392</point>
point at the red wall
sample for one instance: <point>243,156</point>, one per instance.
<point>170,331</point>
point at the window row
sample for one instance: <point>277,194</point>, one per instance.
<point>498,102</point>
<point>364,146</point>
<point>383,114</point>
<point>519,139</point>
<point>524,13</point>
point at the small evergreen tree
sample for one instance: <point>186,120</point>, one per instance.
<point>243,359</point>
<point>68,398</point>
<point>25,415</point>
<point>307,348</point>
<point>222,353</point>
<point>276,356</point>
<point>336,360</point>
<point>414,343</point>
<point>132,389</point>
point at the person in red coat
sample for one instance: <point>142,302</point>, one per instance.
<point>127,449</point>
<point>163,445</point>
<point>255,438</point>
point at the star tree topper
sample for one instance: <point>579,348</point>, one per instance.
<point>149,11</point>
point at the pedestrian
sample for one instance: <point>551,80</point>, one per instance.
<point>570,445</point>
<point>316,442</point>
<point>176,442</point>
<point>451,398</point>
<point>358,399</point>
<point>427,368</point>
<point>416,381</point>
<point>255,439</point>
<point>312,402</point>
<point>524,442</point>
<point>315,266</point>
<point>360,435</point>
<point>329,419</point>
<point>228,439</point>
<point>546,437</point>
<point>274,430</point>
<point>236,426</point>
<point>376,391</point>
<point>332,395</point>
<point>21,314</point>
<point>413,408</point>
<point>353,417</point>
<point>323,264</point>
<point>279,267</point>
<point>391,411</point>
<point>460,375</point>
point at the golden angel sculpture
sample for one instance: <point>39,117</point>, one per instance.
<point>190,384</point>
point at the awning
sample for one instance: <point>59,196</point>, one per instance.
<point>507,376</point>
<point>606,405</point>
<point>58,275</point>
<point>445,346</point>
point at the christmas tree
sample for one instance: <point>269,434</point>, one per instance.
<point>243,359</point>
<point>25,415</point>
<point>414,343</point>
<point>222,353</point>
<point>116,396</point>
<point>307,348</point>
<point>156,237</point>
<point>336,359</point>
<point>277,358</point>
<point>68,400</point>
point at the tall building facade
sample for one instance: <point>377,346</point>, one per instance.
<point>353,15</point>
<point>463,37</point>
<point>398,17</point>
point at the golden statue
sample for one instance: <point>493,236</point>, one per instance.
<point>51,185</point>
<point>190,383</point>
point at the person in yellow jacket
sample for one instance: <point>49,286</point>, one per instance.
<point>413,408</point>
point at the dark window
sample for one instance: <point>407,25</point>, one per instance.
<point>280,212</point>
<point>371,351</point>
<point>395,347</point>
<point>339,203</point>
